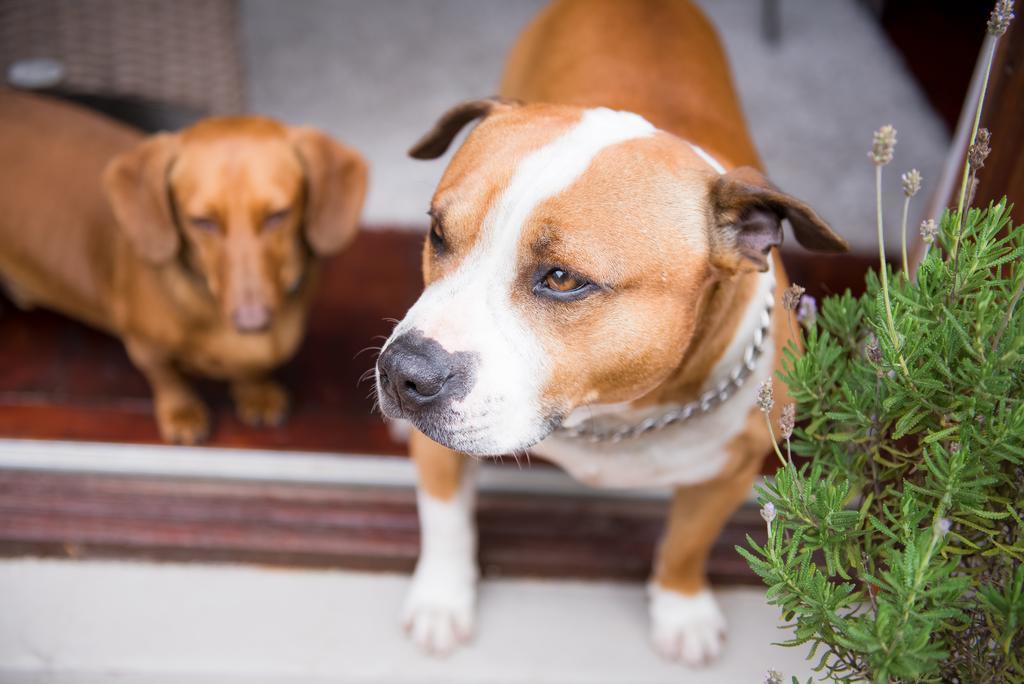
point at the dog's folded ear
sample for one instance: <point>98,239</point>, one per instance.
<point>336,178</point>
<point>437,140</point>
<point>137,189</point>
<point>748,212</point>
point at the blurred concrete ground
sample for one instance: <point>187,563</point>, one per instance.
<point>377,74</point>
<point>90,622</point>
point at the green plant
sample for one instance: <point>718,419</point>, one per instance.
<point>897,551</point>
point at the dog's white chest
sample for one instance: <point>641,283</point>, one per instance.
<point>663,464</point>
<point>690,453</point>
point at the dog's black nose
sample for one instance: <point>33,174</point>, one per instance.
<point>416,372</point>
<point>415,378</point>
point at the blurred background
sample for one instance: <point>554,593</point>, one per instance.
<point>82,474</point>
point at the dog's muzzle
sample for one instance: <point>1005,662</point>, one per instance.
<point>419,380</point>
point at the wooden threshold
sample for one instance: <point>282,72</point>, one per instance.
<point>364,528</point>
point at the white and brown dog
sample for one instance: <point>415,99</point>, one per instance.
<point>601,289</point>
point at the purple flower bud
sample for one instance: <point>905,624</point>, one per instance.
<point>929,230</point>
<point>787,420</point>
<point>791,297</point>
<point>768,512</point>
<point>807,312</point>
<point>766,396</point>
<point>911,182</point>
<point>882,144</point>
<point>873,350</point>
<point>1000,18</point>
<point>979,151</point>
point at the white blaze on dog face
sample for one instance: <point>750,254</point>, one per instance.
<point>541,195</point>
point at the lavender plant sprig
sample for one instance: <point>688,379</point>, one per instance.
<point>998,22</point>
<point>883,146</point>
<point>898,549</point>
<point>765,402</point>
<point>790,303</point>
<point>911,185</point>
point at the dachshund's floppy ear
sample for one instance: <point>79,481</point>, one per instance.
<point>336,178</point>
<point>748,211</point>
<point>137,188</point>
<point>437,139</point>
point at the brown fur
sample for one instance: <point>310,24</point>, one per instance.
<point>615,57</point>
<point>699,513</point>
<point>160,240</point>
<point>659,58</point>
<point>681,301</point>
<point>608,349</point>
<point>439,468</point>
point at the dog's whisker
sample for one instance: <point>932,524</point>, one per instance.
<point>375,404</point>
<point>366,349</point>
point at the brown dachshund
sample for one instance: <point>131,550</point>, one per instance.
<point>197,249</point>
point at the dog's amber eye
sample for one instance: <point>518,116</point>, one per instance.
<point>561,281</point>
<point>563,286</point>
<point>275,219</point>
<point>204,223</point>
<point>436,234</point>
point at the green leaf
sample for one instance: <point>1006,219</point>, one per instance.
<point>857,561</point>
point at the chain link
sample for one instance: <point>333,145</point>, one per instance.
<point>705,403</point>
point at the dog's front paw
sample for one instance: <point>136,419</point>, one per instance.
<point>438,611</point>
<point>687,628</point>
<point>182,419</point>
<point>260,402</point>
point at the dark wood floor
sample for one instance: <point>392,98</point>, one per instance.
<point>61,380</point>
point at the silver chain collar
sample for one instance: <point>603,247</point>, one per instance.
<point>705,403</point>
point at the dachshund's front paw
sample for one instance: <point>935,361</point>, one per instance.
<point>260,402</point>
<point>182,419</point>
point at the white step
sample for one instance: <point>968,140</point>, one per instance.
<point>93,622</point>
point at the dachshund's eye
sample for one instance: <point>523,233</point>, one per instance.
<point>562,281</point>
<point>436,234</point>
<point>276,219</point>
<point>204,223</point>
